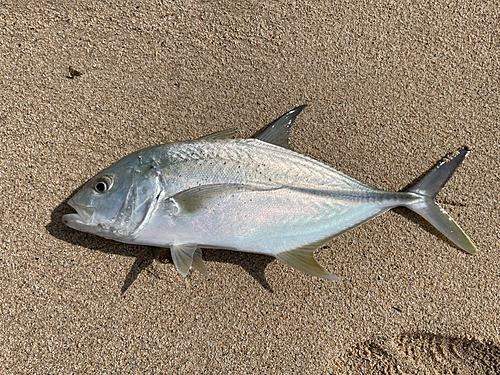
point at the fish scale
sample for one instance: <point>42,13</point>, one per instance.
<point>262,161</point>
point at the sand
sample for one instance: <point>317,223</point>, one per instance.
<point>391,88</point>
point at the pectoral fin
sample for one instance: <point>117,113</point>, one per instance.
<point>199,198</point>
<point>302,259</point>
<point>182,254</point>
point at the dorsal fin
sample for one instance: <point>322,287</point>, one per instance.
<point>278,131</point>
<point>223,134</point>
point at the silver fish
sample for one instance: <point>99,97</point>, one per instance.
<point>253,195</point>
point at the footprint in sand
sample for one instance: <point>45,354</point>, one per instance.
<point>422,353</point>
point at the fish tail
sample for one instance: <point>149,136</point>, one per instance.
<point>428,188</point>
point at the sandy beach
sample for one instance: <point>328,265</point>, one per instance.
<point>390,87</point>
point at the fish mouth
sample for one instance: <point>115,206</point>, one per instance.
<point>83,217</point>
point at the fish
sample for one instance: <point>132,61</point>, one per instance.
<point>253,195</point>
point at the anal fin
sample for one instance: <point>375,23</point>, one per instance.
<point>302,259</point>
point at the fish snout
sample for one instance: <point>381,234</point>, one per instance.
<point>85,213</point>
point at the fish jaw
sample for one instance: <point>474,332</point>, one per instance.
<point>82,220</point>
<point>73,221</point>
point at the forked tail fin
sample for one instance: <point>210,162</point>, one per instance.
<point>428,188</point>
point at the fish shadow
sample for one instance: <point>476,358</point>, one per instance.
<point>254,264</point>
<point>422,223</point>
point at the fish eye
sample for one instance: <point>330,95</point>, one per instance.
<point>103,184</point>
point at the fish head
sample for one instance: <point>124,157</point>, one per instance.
<point>118,202</point>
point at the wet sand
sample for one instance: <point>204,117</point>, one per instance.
<point>390,90</point>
